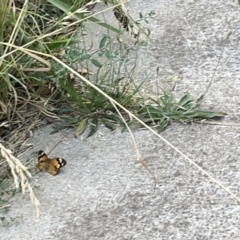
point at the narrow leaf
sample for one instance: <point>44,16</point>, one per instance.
<point>81,127</point>
<point>60,5</point>
<point>162,125</point>
<point>206,114</point>
<point>105,25</point>
<point>84,57</point>
<point>199,100</point>
<point>96,63</point>
<point>184,100</point>
<point>103,41</point>
<point>109,124</point>
<point>66,122</point>
<point>93,126</point>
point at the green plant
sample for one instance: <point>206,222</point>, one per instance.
<point>166,109</point>
<point>112,77</point>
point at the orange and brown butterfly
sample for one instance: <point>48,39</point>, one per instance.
<point>53,165</point>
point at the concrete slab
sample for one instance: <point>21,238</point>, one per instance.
<point>105,193</point>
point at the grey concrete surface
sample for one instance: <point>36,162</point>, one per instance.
<point>105,193</point>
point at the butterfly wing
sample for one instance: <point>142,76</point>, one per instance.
<point>55,164</point>
<point>42,160</point>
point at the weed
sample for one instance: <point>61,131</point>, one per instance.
<point>166,109</point>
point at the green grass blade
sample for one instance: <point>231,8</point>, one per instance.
<point>93,126</point>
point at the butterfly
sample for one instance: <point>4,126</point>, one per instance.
<point>52,164</point>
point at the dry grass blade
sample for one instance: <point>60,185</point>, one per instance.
<point>140,159</point>
<point>34,56</point>
<point>5,206</point>
<point>20,175</point>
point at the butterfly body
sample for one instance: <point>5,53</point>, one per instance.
<point>53,165</point>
